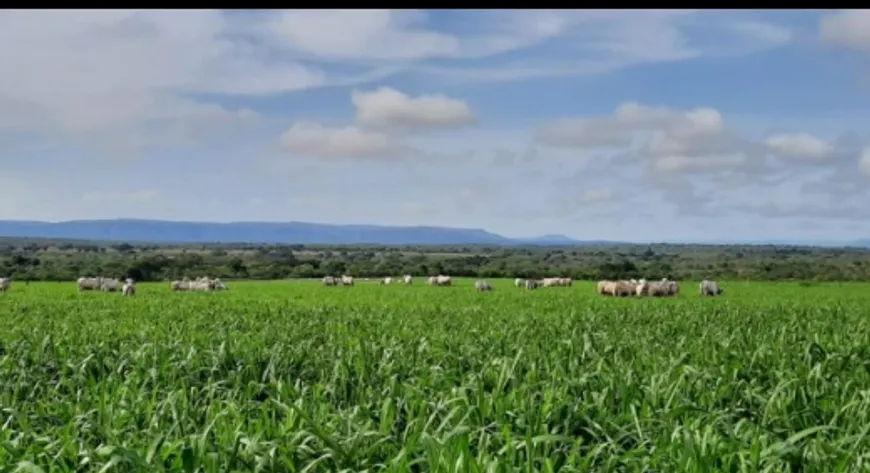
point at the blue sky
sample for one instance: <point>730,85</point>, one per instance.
<point>638,125</point>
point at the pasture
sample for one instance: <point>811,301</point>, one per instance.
<point>291,376</point>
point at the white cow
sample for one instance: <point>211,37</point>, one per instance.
<point>387,281</point>
<point>556,282</point>
<point>129,288</point>
<point>663,288</point>
<point>710,288</point>
<point>518,282</point>
<point>110,285</point>
<point>481,286</point>
<point>180,285</point>
<point>5,284</point>
<point>203,284</point>
<point>330,281</point>
<point>442,280</point>
<point>219,285</point>
<point>346,280</point>
<point>89,284</point>
<point>641,286</point>
<point>408,279</point>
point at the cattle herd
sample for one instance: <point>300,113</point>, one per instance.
<point>663,288</point>
<point>621,288</point>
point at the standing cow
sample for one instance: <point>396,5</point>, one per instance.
<point>481,286</point>
<point>5,284</point>
<point>129,288</point>
<point>408,280</point>
<point>110,285</point>
<point>89,284</point>
<point>442,280</point>
<point>530,284</point>
<point>710,288</point>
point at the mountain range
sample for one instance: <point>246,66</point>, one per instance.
<point>163,231</point>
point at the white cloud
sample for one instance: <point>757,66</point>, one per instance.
<point>849,28</point>
<point>802,146</point>
<point>381,115</point>
<point>134,79</point>
<point>592,196</point>
<point>692,163</point>
<point>120,197</point>
<point>208,94</point>
<point>581,42</point>
<point>361,34</point>
<point>114,75</point>
<point>389,107</point>
<point>696,140</point>
<point>699,165</point>
<point>672,140</point>
<point>313,139</point>
<point>864,161</point>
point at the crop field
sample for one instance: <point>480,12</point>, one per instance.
<point>290,376</point>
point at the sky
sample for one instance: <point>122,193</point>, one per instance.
<point>654,125</point>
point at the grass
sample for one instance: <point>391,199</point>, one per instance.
<point>295,377</point>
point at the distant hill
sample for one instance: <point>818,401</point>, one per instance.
<point>164,231</point>
<point>161,231</point>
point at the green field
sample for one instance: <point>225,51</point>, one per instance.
<point>292,376</point>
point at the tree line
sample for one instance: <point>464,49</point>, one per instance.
<point>49,260</point>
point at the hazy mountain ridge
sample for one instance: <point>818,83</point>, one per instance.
<point>164,231</point>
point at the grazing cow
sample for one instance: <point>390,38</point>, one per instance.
<point>442,280</point>
<point>110,285</point>
<point>387,281</point>
<point>641,287</point>
<point>519,282</point>
<point>129,288</point>
<point>330,281</point>
<point>346,280</point>
<point>202,285</point>
<point>663,288</point>
<point>556,282</point>
<point>182,285</point>
<point>530,284</point>
<point>623,289</point>
<point>89,284</point>
<point>5,284</point>
<point>616,288</point>
<point>551,282</point>
<point>219,285</point>
<point>656,289</point>
<point>408,280</point>
<point>481,286</point>
<point>710,288</point>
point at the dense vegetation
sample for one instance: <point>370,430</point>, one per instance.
<point>66,260</point>
<point>292,376</point>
